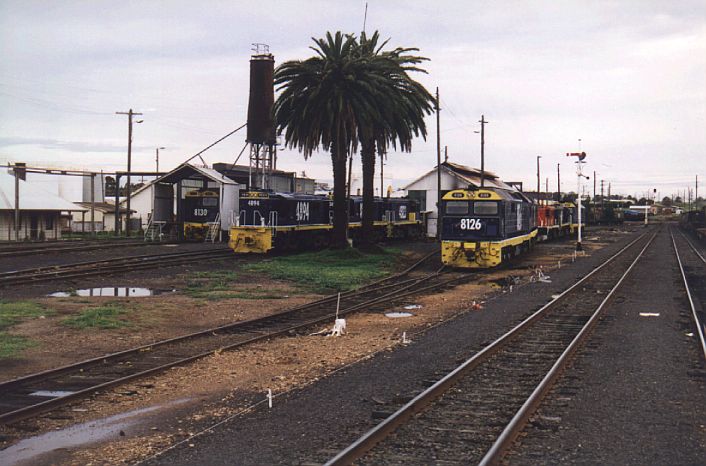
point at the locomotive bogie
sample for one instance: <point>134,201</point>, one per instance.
<point>484,254</point>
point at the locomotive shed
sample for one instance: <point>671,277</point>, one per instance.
<point>284,364</point>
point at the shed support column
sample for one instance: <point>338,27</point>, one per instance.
<point>179,213</point>
<point>93,204</point>
<point>17,204</point>
<point>117,205</point>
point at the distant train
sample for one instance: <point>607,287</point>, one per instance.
<point>694,220</point>
<point>270,221</point>
<point>483,227</point>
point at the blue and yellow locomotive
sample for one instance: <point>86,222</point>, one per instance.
<point>482,227</point>
<point>288,221</point>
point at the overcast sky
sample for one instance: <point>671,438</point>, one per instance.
<point>628,78</point>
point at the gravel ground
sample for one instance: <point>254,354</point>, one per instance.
<point>637,393</point>
<point>311,424</point>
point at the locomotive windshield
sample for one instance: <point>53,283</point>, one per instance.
<point>485,208</point>
<point>456,207</point>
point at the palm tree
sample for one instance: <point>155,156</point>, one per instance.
<point>401,104</point>
<point>322,101</point>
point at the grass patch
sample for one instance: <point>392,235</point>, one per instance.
<point>12,312</point>
<point>209,285</point>
<point>10,345</point>
<point>255,293</point>
<point>104,317</point>
<point>323,271</point>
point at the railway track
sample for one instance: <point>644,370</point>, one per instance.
<point>28,396</point>
<point>474,413</point>
<point>16,250</point>
<point>692,266</point>
<point>106,266</point>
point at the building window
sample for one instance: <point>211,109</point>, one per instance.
<point>49,222</point>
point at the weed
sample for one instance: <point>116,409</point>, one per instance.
<point>10,345</point>
<point>105,317</point>
<point>12,312</point>
<point>323,271</point>
<point>207,284</point>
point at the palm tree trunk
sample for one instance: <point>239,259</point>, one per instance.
<point>367,156</point>
<point>340,208</point>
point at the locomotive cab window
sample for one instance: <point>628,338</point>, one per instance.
<point>485,208</point>
<point>456,207</point>
<point>209,201</point>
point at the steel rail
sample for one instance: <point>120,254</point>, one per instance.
<point>30,410</point>
<point>693,248</point>
<point>375,435</point>
<point>519,420</point>
<point>81,269</point>
<point>327,299</point>
<point>700,327</point>
<point>28,251</point>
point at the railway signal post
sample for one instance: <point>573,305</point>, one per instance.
<point>579,174</point>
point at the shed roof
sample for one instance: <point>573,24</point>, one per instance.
<point>467,175</point>
<point>104,207</point>
<point>32,197</point>
<point>186,171</point>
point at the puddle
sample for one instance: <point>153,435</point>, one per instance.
<point>409,307</point>
<point>113,292</point>
<point>81,434</point>
<point>398,315</point>
<point>51,393</point>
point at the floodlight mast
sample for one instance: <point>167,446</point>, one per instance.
<point>579,174</point>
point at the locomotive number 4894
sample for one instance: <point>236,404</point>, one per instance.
<point>471,224</point>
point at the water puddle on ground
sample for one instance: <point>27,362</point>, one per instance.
<point>113,292</point>
<point>51,393</point>
<point>398,315</point>
<point>81,434</point>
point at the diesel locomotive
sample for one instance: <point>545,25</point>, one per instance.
<point>270,221</point>
<point>201,208</point>
<point>482,227</point>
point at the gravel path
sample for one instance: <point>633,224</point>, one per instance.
<point>637,394</point>
<point>310,425</point>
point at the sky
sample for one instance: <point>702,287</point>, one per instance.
<point>624,81</point>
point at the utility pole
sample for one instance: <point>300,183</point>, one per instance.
<point>382,181</point>
<point>129,114</point>
<point>546,186</point>
<point>538,187</point>
<point>696,194</point>
<point>156,159</point>
<point>558,183</point>
<point>438,167</point>
<point>482,150</point>
<point>594,187</point>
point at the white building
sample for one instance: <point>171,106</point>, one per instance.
<point>453,176</point>
<point>40,211</point>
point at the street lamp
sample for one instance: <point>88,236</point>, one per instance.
<point>157,158</point>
